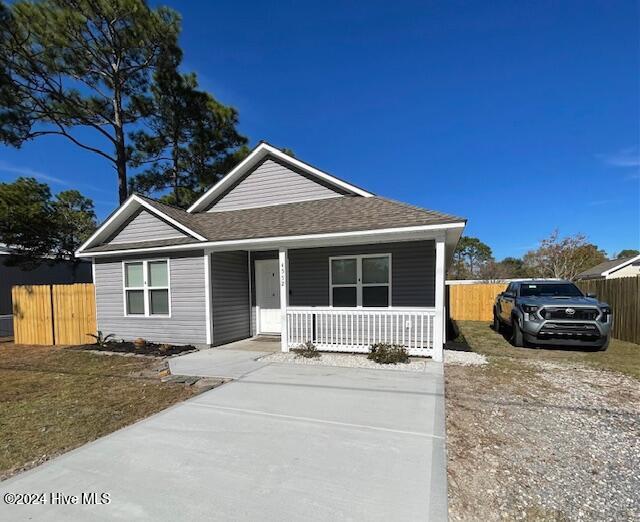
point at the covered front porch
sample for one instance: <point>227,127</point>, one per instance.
<point>341,297</point>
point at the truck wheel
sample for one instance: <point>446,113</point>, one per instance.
<point>517,339</point>
<point>605,345</point>
<point>497,325</point>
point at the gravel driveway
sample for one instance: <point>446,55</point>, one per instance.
<point>534,440</point>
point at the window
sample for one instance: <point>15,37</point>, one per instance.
<point>550,290</point>
<point>360,280</point>
<point>146,288</point>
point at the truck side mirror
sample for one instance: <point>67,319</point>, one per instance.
<point>591,294</point>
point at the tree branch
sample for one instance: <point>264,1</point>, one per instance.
<point>63,132</point>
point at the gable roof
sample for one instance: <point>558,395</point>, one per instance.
<point>305,218</point>
<point>119,217</point>
<point>258,154</point>
<point>607,267</point>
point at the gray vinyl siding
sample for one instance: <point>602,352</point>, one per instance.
<point>412,277</point>
<point>187,324</point>
<point>144,226</point>
<point>230,284</point>
<point>269,184</point>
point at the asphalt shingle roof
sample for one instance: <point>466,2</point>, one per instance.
<point>339,214</point>
<point>597,270</point>
<point>143,244</point>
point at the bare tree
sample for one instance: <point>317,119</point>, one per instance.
<point>563,258</point>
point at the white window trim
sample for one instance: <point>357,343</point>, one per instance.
<point>359,285</point>
<point>145,288</point>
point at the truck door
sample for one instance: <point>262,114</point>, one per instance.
<point>507,302</point>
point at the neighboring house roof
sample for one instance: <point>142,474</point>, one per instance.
<point>333,215</point>
<point>257,155</point>
<point>607,267</point>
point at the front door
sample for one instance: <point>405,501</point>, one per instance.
<point>268,296</point>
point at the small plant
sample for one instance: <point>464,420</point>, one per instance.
<point>165,348</point>
<point>307,350</point>
<point>102,340</point>
<point>384,353</point>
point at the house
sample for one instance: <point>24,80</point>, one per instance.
<point>276,247</point>
<point>624,267</point>
<point>50,271</point>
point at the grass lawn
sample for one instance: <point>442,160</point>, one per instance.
<point>621,356</point>
<point>54,399</point>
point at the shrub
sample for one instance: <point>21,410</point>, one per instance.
<point>384,353</point>
<point>101,340</point>
<point>307,350</point>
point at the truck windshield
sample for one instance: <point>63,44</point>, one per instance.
<point>551,289</point>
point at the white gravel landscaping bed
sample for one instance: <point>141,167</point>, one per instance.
<point>464,358</point>
<point>346,360</point>
<point>349,360</point>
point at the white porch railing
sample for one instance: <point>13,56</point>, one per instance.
<point>356,329</point>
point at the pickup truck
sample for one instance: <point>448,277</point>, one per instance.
<point>552,313</point>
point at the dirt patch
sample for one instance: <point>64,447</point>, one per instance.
<point>532,439</point>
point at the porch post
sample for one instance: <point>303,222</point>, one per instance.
<point>439,321</point>
<point>208,308</point>
<point>284,296</point>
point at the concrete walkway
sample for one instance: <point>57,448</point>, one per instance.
<point>284,442</point>
<point>216,362</point>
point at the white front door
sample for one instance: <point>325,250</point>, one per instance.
<point>268,296</point>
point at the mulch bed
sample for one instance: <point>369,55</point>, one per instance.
<point>153,349</point>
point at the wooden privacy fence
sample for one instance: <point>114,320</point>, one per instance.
<point>53,314</point>
<point>473,302</point>
<point>623,295</point>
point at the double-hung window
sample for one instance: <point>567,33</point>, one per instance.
<point>146,288</point>
<point>363,280</point>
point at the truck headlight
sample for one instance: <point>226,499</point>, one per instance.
<point>606,312</point>
<point>531,311</point>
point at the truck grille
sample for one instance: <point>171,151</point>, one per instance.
<point>569,329</point>
<point>579,314</point>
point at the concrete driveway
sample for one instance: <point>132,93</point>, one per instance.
<point>284,442</point>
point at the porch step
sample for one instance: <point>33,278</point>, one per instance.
<point>266,338</point>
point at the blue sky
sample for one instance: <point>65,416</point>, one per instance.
<point>521,116</point>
